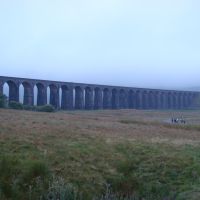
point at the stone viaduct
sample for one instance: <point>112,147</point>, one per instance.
<point>68,96</point>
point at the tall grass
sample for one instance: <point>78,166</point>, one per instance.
<point>38,148</point>
<point>150,172</point>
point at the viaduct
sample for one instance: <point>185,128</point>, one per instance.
<point>68,95</point>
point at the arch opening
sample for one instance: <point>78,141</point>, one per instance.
<point>6,90</point>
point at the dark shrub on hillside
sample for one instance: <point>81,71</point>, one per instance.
<point>45,108</point>
<point>27,107</point>
<point>15,105</point>
<point>3,101</point>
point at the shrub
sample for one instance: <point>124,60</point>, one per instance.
<point>27,107</point>
<point>15,105</point>
<point>45,108</point>
<point>3,101</point>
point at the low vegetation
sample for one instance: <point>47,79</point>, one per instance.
<point>45,108</point>
<point>135,170</point>
<point>3,101</point>
<point>19,106</point>
<point>15,105</point>
<point>189,127</point>
<point>104,155</point>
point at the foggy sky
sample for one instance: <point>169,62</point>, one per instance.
<point>146,43</point>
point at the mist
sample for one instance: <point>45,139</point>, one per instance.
<point>118,42</point>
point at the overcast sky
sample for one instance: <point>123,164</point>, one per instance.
<point>143,43</point>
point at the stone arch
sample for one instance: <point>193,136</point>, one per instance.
<point>54,95</point>
<point>41,94</point>
<point>163,100</point>
<point>185,100</point>
<point>98,100</point>
<point>13,94</point>
<point>145,104</point>
<point>180,100</point>
<point>79,98</point>
<point>28,97</point>
<point>88,98</point>
<point>151,100</point>
<point>64,97</point>
<point>174,100</point>
<point>138,104</point>
<point>190,100</point>
<point>195,100</point>
<point>115,99</point>
<point>131,99</point>
<point>170,100</point>
<point>106,99</point>
<point>157,104</point>
<point>122,99</point>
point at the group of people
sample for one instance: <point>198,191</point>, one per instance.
<point>178,120</point>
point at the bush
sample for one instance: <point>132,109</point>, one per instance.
<point>45,108</point>
<point>16,105</point>
<point>3,101</point>
<point>31,108</point>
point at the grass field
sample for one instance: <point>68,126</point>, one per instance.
<point>136,154</point>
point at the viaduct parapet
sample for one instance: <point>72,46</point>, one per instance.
<point>69,96</point>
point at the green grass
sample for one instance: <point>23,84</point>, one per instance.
<point>145,170</point>
<point>67,157</point>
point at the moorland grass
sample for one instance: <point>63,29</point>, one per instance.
<point>189,127</point>
<point>57,157</point>
<point>143,170</point>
